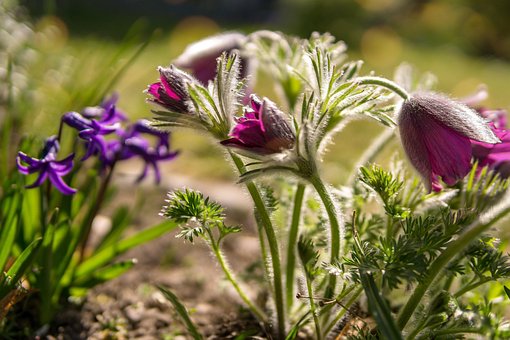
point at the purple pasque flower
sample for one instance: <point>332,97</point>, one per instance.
<point>494,156</point>
<point>262,130</point>
<point>171,90</point>
<point>134,142</point>
<point>47,167</point>
<point>436,134</point>
<point>200,57</point>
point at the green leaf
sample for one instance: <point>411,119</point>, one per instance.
<point>182,311</point>
<point>507,291</point>
<point>9,229</point>
<point>105,274</point>
<point>379,309</point>
<point>24,261</point>
<point>109,253</point>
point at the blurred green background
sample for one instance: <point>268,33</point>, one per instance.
<point>463,42</point>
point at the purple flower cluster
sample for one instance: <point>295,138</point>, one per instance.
<point>105,138</point>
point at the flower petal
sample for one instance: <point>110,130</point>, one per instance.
<point>59,183</point>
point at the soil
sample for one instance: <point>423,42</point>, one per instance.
<point>131,307</point>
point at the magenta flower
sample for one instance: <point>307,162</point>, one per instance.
<point>47,166</point>
<point>171,90</point>
<point>495,156</point>
<point>200,58</point>
<point>436,134</point>
<point>263,129</point>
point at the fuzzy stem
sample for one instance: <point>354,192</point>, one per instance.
<point>344,309</point>
<point>230,276</point>
<point>313,308</point>
<point>460,330</point>
<point>390,85</point>
<point>454,248</point>
<point>336,226</point>
<point>273,247</point>
<point>472,286</point>
<point>291,243</point>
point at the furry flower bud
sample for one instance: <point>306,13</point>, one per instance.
<point>436,134</point>
<point>171,90</point>
<point>262,130</point>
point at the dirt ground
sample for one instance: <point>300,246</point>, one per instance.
<point>130,307</point>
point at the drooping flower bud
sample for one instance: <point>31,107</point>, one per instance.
<point>200,57</point>
<point>262,130</point>
<point>171,90</point>
<point>436,133</point>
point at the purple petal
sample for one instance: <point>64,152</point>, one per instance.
<point>59,183</point>
<point>32,162</point>
<point>168,89</point>
<point>76,120</point>
<point>40,180</point>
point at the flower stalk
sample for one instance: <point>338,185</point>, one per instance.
<point>291,243</point>
<point>273,246</point>
<point>230,277</point>
<point>336,226</point>
<point>383,82</point>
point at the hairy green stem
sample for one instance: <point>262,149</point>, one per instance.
<point>313,308</point>
<point>273,247</point>
<point>454,248</point>
<point>336,226</point>
<point>230,276</point>
<point>448,331</point>
<point>344,308</point>
<point>383,82</point>
<point>291,243</point>
<point>472,286</point>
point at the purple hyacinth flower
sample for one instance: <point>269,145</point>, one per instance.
<point>106,113</point>
<point>436,134</point>
<point>47,167</point>
<point>135,144</point>
<point>200,57</point>
<point>494,156</point>
<point>171,91</point>
<point>263,129</point>
<point>93,123</point>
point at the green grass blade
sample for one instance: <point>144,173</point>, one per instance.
<point>24,261</point>
<point>7,238</point>
<point>182,311</point>
<point>106,255</point>
<point>380,309</point>
<point>105,274</point>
